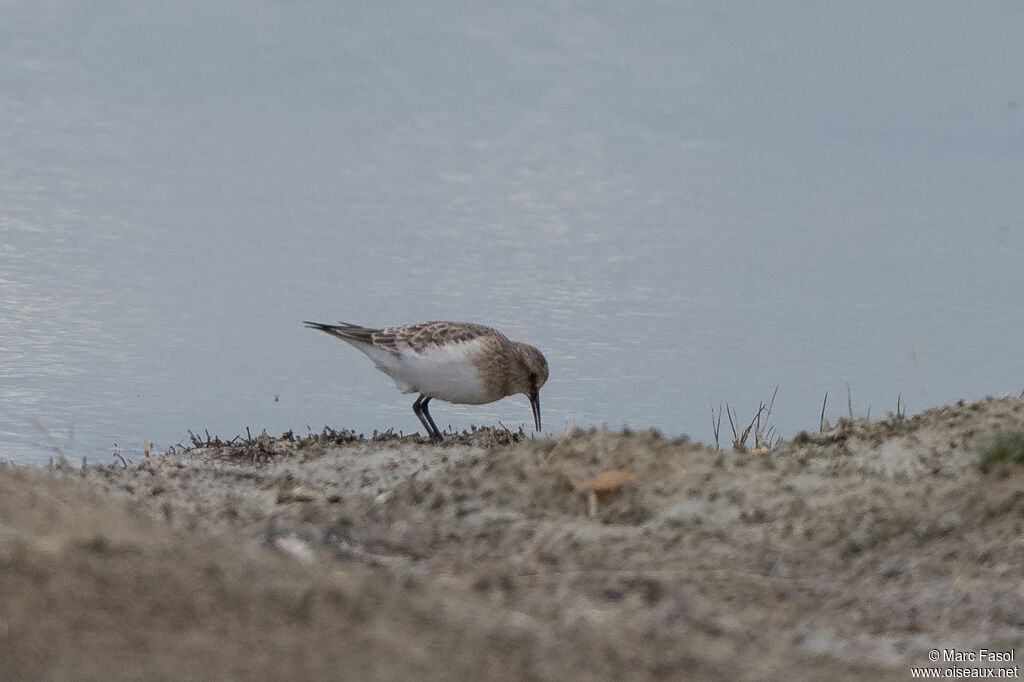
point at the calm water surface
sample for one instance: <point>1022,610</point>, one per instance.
<point>679,204</point>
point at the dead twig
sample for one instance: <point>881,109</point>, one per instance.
<point>732,425</point>
<point>119,456</point>
<point>739,441</point>
<point>765,439</point>
<point>821,419</point>
<point>742,445</point>
<point>716,424</point>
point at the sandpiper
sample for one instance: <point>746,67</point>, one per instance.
<point>458,362</point>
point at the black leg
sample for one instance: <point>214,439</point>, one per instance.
<point>419,415</point>
<point>420,409</point>
<point>435,432</point>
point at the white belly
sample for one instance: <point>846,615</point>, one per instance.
<point>445,373</point>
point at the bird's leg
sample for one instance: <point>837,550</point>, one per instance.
<point>435,432</point>
<point>420,408</point>
<point>416,406</point>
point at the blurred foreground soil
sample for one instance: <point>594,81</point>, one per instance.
<point>847,554</point>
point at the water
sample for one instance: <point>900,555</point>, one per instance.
<point>679,203</point>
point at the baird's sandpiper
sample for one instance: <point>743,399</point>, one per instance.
<point>458,362</point>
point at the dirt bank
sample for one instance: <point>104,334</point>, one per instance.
<point>605,555</point>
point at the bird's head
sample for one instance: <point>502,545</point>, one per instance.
<point>535,376</point>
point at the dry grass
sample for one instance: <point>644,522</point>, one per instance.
<point>765,436</point>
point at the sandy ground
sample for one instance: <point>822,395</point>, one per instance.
<point>847,554</point>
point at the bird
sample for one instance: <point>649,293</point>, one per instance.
<point>458,362</point>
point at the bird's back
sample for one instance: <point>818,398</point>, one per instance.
<point>436,358</point>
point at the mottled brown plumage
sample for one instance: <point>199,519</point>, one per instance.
<point>459,362</point>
